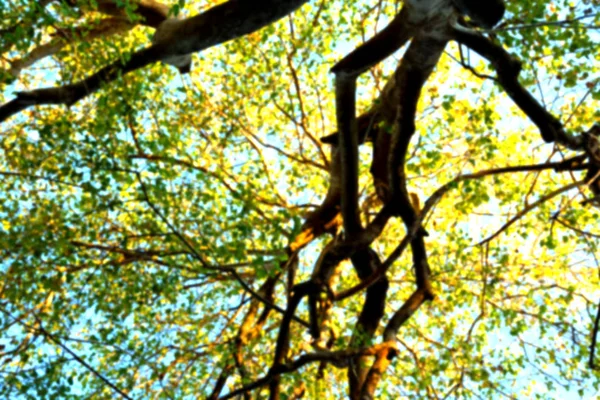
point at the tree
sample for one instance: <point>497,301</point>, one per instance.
<point>253,230</point>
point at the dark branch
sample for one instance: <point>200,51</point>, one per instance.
<point>508,69</point>
<point>334,357</point>
<point>80,360</point>
<point>592,361</point>
<point>219,24</point>
<point>346,72</point>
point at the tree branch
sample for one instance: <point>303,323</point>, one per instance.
<point>530,207</point>
<point>592,362</point>
<point>334,357</point>
<point>508,69</point>
<point>81,361</point>
<point>227,21</point>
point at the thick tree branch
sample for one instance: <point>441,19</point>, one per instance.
<point>283,339</point>
<point>385,356</point>
<point>346,72</point>
<point>219,24</point>
<point>331,256</point>
<point>366,262</point>
<point>220,383</point>
<point>345,95</point>
<point>592,360</point>
<point>326,218</point>
<point>378,48</point>
<point>416,67</point>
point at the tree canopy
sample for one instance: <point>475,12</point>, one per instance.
<point>293,199</point>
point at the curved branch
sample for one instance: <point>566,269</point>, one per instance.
<point>379,47</point>
<point>376,49</point>
<point>418,64</point>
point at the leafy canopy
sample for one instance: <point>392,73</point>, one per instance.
<point>168,235</point>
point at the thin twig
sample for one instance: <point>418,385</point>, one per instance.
<point>81,361</point>
<point>534,205</point>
